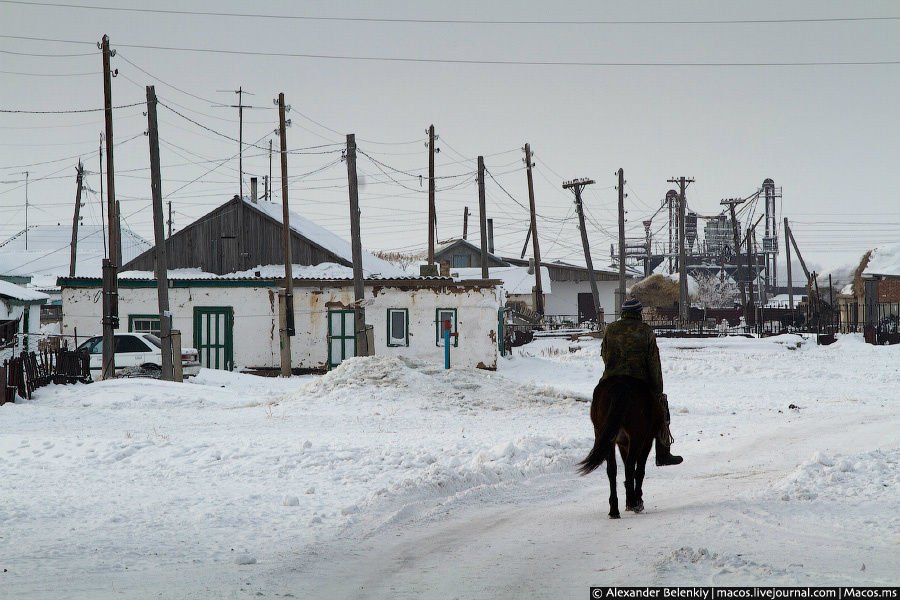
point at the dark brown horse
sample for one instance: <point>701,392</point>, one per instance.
<point>624,413</point>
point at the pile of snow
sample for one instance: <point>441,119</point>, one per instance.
<point>873,475</point>
<point>321,271</point>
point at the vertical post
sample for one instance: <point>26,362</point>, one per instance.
<point>102,217</point>
<point>110,265</point>
<point>432,216</point>
<point>283,338</point>
<point>538,287</point>
<point>446,343</point>
<point>739,274</point>
<point>170,219</point>
<point>482,210</point>
<point>359,311</point>
<point>751,271</point>
<point>253,181</point>
<point>177,366</point>
<point>790,283</point>
<point>288,330</point>
<point>683,303</point>
<point>161,252</point>
<point>595,293</point>
<point>831,303</point>
<point>269,180</point>
<point>240,93</point>
<point>490,224</point>
<point>465,222</point>
<point>74,246</point>
<point>621,291</point>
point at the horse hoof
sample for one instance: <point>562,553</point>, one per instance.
<point>615,516</point>
<point>639,508</point>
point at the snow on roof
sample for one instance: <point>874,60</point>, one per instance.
<point>17,292</point>
<point>847,290</point>
<point>49,250</point>
<point>885,260</point>
<point>335,244</point>
<point>320,271</point>
<point>516,280</point>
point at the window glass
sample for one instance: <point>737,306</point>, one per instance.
<point>145,325</point>
<point>93,345</point>
<point>153,340</point>
<point>128,343</point>
<point>397,327</point>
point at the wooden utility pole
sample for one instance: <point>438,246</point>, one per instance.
<point>170,219</point>
<point>577,185</point>
<point>287,332</point>
<point>482,210</point>
<point>269,180</point>
<point>790,283</point>
<point>683,299</point>
<point>359,311</point>
<point>79,176</point>
<point>751,268</point>
<point>620,294</point>
<point>102,217</point>
<point>160,251</point>
<point>465,222</point>
<point>538,288</point>
<point>432,214</point>
<point>111,264</point>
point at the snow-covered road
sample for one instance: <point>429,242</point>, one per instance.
<point>396,479</point>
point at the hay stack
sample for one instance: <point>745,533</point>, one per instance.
<point>656,290</point>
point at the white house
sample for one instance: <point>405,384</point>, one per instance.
<point>233,320</point>
<point>21,304</point>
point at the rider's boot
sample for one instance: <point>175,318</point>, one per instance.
<point>664,439</point>
<point>664,456</point>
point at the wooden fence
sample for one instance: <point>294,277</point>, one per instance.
<point>23,374</point>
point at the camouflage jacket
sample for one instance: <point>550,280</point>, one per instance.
<point>629,348</point>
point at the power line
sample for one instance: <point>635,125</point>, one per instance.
<point>65,111</point>
<point>461,61</point>
<point>29,74</point>
<point>52,55</point>
<point>447,21</point>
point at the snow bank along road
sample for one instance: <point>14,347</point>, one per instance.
<point>392,478</point>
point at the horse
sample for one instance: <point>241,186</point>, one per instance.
<point>624,412</point>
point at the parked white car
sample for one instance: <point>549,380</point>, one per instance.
<point>137,351</point>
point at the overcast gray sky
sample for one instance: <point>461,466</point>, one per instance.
<point>828,135</point>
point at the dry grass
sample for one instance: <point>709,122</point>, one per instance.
<point>656,290</point>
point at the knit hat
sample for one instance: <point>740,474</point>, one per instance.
<point>632,305</point>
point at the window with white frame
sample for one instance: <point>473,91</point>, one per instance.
<point>397,327</point>
<point>144,324</point>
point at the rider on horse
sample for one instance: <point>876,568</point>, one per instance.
<point>629,349</point>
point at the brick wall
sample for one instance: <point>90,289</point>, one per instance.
<point>889,289</point>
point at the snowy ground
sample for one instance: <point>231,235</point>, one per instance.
<point>391,478</point>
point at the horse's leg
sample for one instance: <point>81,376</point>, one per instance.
<point>628,456</point>
<point>640,466</point>
<point>611,473</point>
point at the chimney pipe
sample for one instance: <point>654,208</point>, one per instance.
<point>253,189</point>
<point>490,236</point>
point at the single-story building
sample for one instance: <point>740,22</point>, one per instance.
<point>23,305</point>
<point>233,320</point>
<point>567,288</point>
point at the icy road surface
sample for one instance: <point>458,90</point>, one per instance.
<point>390,478</point>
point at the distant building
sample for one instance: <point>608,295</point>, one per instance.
<point>567,288</point>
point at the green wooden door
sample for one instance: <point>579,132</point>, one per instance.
<point>213,336</point>
<point>341,338</point>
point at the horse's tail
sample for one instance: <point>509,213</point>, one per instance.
<point>603,441</point>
